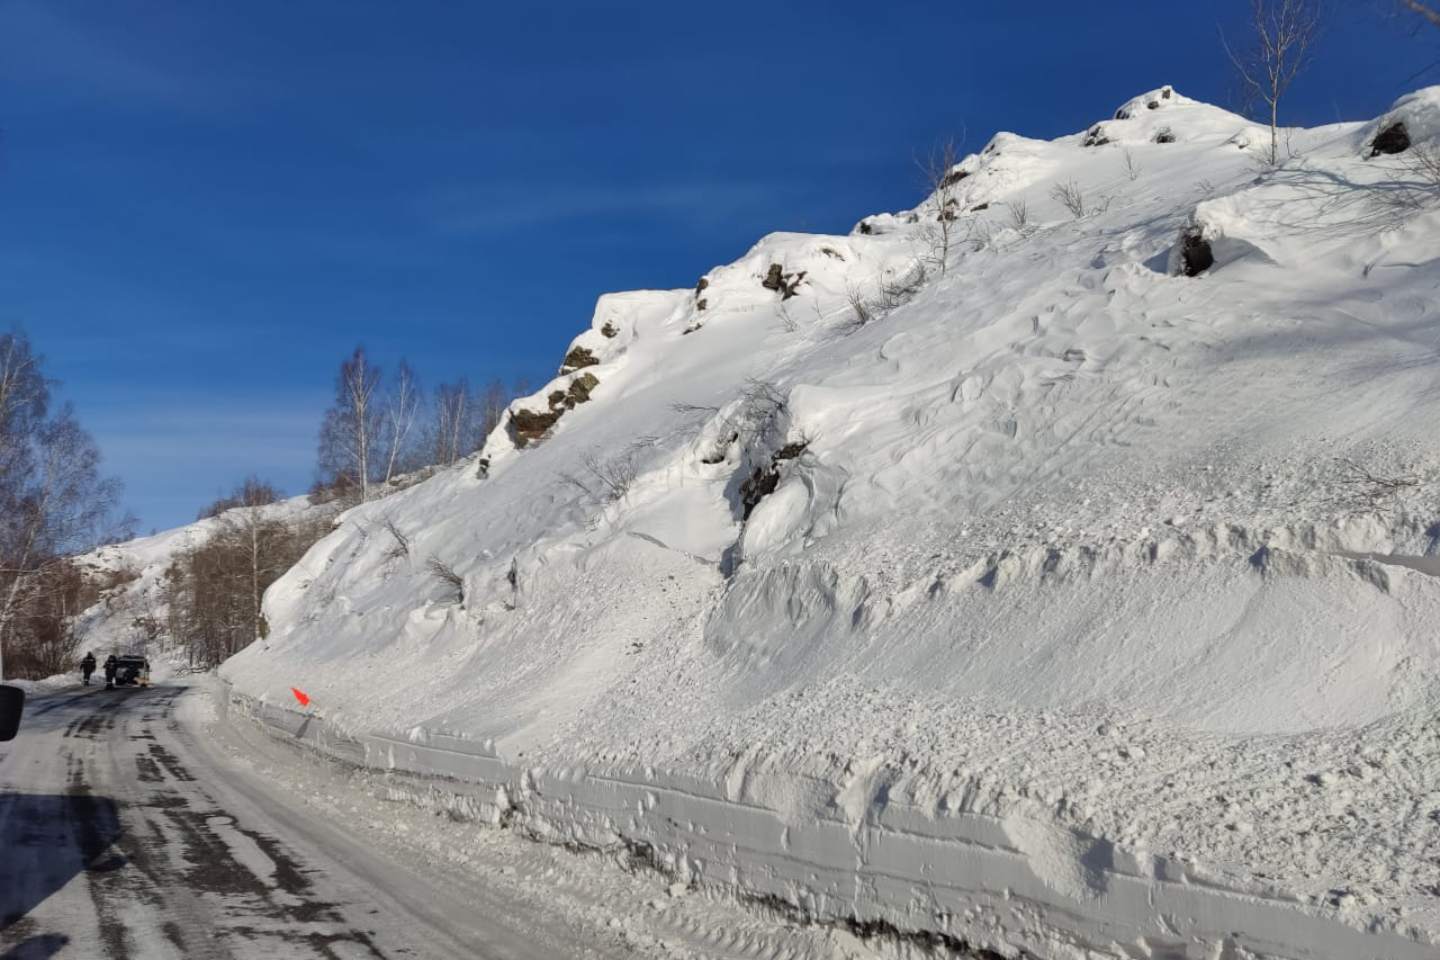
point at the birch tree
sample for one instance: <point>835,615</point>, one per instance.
<point>401,406</point>
<point>60,504</point>
<point>942,180</point>
<point>456,421</point>
<point>352,424</point>
<point>1282,35</point>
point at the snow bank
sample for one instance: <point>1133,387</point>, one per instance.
<point>960,865</point>
<point>1115,567</point>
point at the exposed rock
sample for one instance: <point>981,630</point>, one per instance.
<point>580,388</point>
<point>865,227</point>
<point>832,253</point>
<point>578,357</point>
<point>786,284</point>
<point>702,303</point>
<point>763,480</point>
<point>1195,254</point>
<point>555,399</point>
<point>609,331</point>
<point>701,285</point>
<point>1164,135</point>
<point>1095,137</point>
<point>526,426</point>
<point>1393,139</point>
<point>757,487</point>
<point>953,177</point>
<point>979,206</point>
<point>1122,114</point>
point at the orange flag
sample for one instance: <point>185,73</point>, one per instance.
<point>302,696</point>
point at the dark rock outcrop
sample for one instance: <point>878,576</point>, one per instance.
<point>577,358</point>
<point>1195,254</point>
<point>1393,139</point>
<point>527,426</point>
<point>785,284</point>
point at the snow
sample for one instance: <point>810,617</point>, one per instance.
<point>1074,592</point>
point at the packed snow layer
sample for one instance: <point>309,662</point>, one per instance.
<point>1112,552</point>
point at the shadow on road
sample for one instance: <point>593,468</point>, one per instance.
<point>48,840</point>
<point>42,947</point>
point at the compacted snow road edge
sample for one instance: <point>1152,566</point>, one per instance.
<point>999,883</point>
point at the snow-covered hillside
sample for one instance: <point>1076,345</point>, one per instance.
<point>1051,546</point>
<point>131,616</point>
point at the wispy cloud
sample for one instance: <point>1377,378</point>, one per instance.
<point>42,49</point>
<point>504,206</point>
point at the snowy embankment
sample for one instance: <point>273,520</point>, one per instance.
<point>1053,601</point>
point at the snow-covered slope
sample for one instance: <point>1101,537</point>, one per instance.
<point>131,616</point>
<point>1122,559</point>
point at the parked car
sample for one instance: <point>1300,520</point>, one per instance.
<point>131,669</point>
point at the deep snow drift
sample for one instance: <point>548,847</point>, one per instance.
<point>1139,568</point>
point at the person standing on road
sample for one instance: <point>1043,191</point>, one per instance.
<point>87,667</point>
<point>110,666</point>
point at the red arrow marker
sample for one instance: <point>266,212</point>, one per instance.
<point>302,696</point>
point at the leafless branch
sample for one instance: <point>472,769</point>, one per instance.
<point>446,574</point>
<point>401,546</point>
<point>1071,196</point>
<point>1132,167</point>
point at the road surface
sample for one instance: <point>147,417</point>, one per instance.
<point>124,835</point>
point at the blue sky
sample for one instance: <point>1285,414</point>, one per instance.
<point>204,206</point>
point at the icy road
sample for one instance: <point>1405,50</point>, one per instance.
<point>123,834</point>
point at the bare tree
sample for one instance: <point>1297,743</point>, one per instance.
<point>492,407</point>
<point>400,548</point>
<point>352,424</point>
<point>456,427</point>
<point>53,501</point>
<point>860,310</point>
<point>1071,196</point>
<point>61,505</point>
<point>1019,212</point>
<point>446,574</point>
<point>252,492</point>
<point>24,398</point>
<point>401,405</point>
<point>214,592</point>
<point>1132,167</point>
<point>1283,32</point>
<point>942,179</point>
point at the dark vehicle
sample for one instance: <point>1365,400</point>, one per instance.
<point>12,704</point>
<point>132,670</point>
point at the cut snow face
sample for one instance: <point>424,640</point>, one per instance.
<point>1074,534</point>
